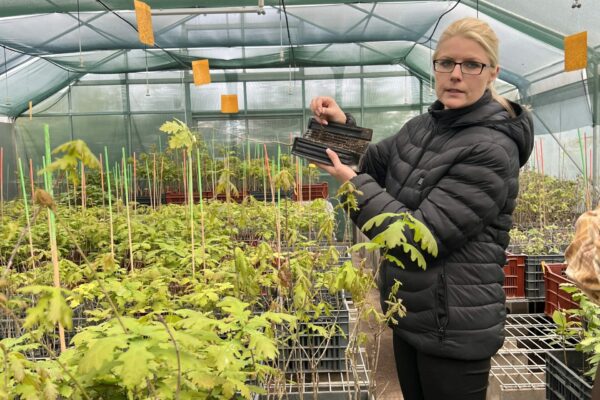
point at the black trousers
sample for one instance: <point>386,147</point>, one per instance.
<point>425,377</point>
<point>596,387</point>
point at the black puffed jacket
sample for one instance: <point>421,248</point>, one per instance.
<point>457,172</point>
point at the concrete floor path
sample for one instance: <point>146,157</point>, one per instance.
<point>385,376</point>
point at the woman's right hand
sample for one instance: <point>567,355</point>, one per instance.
<point>325,109</point>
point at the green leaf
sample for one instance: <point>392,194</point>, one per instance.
<point>235,307</point>
<point>135,365</point>
<point>559,318</point>
<point>65,391</point>
<point>264,347</point>
<point>278,318</point>
<point>27,391</point>
<point>415,254</point>
<point>393,259</point>
<point>423,234</point>
<point>368,246</point>
<point>392,236</point>
<point>377,220</point>
<point>222,356</point>
<point>100,352</point>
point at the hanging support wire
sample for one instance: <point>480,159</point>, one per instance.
<point>281,53</point>
<point>7,98</point>
<point>292,61</point>
<point>79,34</point>
<point>147,73</point>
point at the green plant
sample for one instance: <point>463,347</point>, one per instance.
<point>584,324</point>
<point>545,200</point>
<point>161,304</point>
<point>394,236</point>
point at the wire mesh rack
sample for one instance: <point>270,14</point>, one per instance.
<point>520,364</point>
<point>350,384</point>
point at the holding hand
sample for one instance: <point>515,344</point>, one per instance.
<point>342,173</point>
<point>325,109</point>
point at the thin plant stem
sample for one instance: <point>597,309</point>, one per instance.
<point>178,388</point>
<point>19,240</point>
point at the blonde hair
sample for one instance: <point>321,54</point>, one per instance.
<point>480,32</point>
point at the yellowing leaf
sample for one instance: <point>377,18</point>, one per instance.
<point>50,391</point>
<point>180,134</point>
<point>59,311</point>
<point>17,365</point>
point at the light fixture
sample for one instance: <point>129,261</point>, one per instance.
<point>260,10</point>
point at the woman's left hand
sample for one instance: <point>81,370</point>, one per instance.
<point>342,173</point>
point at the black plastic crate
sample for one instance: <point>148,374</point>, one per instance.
<point>534,276</point>
<point>565,382</point>
<point>311,351</point>
<point>327,358</point>
<point>144,200</point>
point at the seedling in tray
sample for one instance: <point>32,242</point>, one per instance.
<point>349,142</point>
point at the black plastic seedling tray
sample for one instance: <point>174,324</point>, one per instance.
<point>349,142</point>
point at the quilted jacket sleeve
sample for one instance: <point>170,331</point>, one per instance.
<point>463,202</point>
<point>375,161</point>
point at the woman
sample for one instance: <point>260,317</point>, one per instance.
<point>455,169</point>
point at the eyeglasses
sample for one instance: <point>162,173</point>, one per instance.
<point>466,67</point>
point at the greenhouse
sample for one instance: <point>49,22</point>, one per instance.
<point>172,227</point>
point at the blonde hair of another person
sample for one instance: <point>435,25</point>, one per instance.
<point>480,32</point>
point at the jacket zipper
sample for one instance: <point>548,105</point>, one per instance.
<point>442,327</point>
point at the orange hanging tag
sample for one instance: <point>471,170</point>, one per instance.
<point>576,51</point>
<point>201,72</point>
<point>30,110</point>
<point>229,103</point>
<point>143,14</point>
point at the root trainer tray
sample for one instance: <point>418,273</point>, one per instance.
<point>349,142</point>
